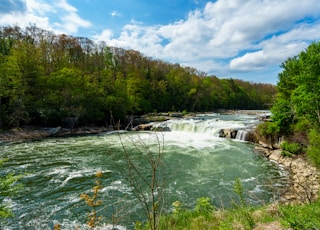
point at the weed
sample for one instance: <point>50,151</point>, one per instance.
<point>93,202</point>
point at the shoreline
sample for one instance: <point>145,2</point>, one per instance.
<point>304,177</point>
<point>39,133</point>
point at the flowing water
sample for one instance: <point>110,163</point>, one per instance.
<point>197,162</point>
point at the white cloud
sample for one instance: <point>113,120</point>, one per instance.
<point>214,37</point>
<point>64,17</point>
<point>71,21</point>
<point>225,36</point>
<point>277,49</point>
<point>115,14</point>
<point>63,4</point>
<point>34,13</point>
<point>106,35</point>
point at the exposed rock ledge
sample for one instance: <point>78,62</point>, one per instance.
<point>304,177</point>
<point>36,133</point>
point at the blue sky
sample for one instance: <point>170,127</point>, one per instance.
<point>243,39</point>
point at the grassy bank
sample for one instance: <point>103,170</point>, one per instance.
<point>272,216</point>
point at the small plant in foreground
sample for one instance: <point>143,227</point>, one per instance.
<point>93,202</point>
<point>302,216</point>
<point>243,209</point>
<point>8,187</point>
<point>203,205</point>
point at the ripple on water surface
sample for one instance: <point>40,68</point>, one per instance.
<point>198,163</point>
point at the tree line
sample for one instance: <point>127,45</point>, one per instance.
<point>47,77</point>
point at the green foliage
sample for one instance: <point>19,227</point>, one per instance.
<point>265,217</point>
<point>286,154</point>
<point>267,129</point>
<point>8,187</point>
<point>282,115</point>
<point>245,211</point>
<point>293,148</point>
<point>60,76</point>
<point>302,125</point>
<point>313,150</point>
<point>302,216</point>
<point>299,90</point>
<point>238,189</point>
<point>93,202</point>
<point>203,205</point>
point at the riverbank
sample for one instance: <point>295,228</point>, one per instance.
<point>305,178</point>
<point>38,133</point>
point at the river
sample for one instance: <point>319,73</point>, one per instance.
<point>197,164</point>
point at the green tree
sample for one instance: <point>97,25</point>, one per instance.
<point>313,150</point>
<point>12,93</point>
<point>63,96</point>
<point>306,96</point>
<point>299,90</point>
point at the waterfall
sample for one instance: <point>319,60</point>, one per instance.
<point>200,126</point>
<point>242,135</point>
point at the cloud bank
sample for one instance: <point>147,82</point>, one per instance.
<point>228,36</point>
<point>41,14</point>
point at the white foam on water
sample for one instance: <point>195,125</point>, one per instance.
<point>119,186</point>
<point>70,165</point>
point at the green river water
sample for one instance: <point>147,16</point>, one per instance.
<point>197,163</point>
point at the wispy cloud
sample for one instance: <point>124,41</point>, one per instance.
<point>7,6</point>
<point>222,37</point>
<point>115,14</point>
<point>63,16</point>
<point>216,36</point>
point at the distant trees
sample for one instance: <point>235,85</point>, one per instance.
<point>45,78</point>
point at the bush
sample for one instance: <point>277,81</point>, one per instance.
<point>268,129</point>
<point>302,217</point>
<point>302,125</point>
<point>313,150</point>
<point>286,154</point>
<point>294,148</point>
<point>203,205</point>
<point>8,187</point>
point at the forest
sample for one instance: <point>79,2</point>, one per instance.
<point>47,77</point>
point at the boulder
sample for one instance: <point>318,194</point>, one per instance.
<point>54,131</point>
<point>275,155</point>
<point>178,115</point>
<point>161,129</point>
<point>228,133</point>
<point>143,127</point>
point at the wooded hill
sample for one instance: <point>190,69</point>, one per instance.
<point>45,77</point>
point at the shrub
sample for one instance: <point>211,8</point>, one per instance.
<point>9,186</point>
<point>286,154</point>
<point>203,205</point>
<point>267,129</point>
<point>294,148</point>
<point>313,150</point>
<point>302,217</point>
